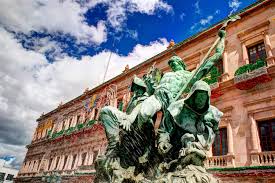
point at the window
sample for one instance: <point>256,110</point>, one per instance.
<point>83,157</point>
<point>95,156</point>
<point>63,124</point>
<point>65,161</point>
<point>57,161</point>
<point>33,166</point>
<point>256,52</point>
<point>220,143</point>
<point>267,135</point>
<point>96,112</point>
<point>39,162</point>
<point>50,163</point>
<point>74,158</point>
<point>78,119</point>
<point>70,121</point>
<point>9,177</point>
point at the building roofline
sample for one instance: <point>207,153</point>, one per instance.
<point>215,26</point>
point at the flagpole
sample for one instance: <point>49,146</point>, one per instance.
<point>108,63</point>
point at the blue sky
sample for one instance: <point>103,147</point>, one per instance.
<point>178,22</point>
<point>52,50</point>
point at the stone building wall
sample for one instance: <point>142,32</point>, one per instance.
<point>243,109</point>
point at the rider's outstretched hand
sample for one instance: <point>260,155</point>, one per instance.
<point>126,124</point>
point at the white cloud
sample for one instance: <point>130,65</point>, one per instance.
<point>118,10</point>
<point>202,23</point>
<point>207,20</point>
<point>234,4</point>
<point>217,12</point>
<point>182,15</point>
<point>149,7</point>
<point>30,85</point>
<point>197,7</point>
<point>53,16</point>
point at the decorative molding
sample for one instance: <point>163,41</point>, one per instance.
<point>226,118</point>
<point>257,101</point>
<point>243,34</point>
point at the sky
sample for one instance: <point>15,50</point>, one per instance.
<point>51,51</point>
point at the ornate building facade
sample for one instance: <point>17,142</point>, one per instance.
<point>68,139</point>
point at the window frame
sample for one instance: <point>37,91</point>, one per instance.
<point>223,148</point>
<point>256,46</point>
<point>270,132</point>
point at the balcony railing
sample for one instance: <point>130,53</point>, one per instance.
<point>225,161</point>
<point>263,158</point>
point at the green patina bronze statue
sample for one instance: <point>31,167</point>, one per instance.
<point>128,145</point>
<point>186,132</point>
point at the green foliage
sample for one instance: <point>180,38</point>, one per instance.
<point>80,126</point>
<point>250,67</point>
<point>91,122</point>
<point>57,134</point>
<point>212,76</point>
<point>49,132</point>
<point>243,168</point>
<point>70,130</point>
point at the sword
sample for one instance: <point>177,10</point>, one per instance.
<point>230,19</point>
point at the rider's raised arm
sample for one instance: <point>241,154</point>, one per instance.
<point>204,69</point>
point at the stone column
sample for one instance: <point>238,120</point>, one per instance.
<point>39,135</point>
<point>210,153</point>
<point>75,162</point>
<point>74,120</point>
<point>55,127</point>
<point>92,115</point>
<point>40,164</point>
<point>86,158</point>
<point>69,162</point>
<point>43,133</point>
<point>225,74</point>
<point>270,58</point>
<point>230,139</point>
<point>45,164</point>
<point>254,134</point>
<point>79,159</point>
<point>53,163</point>
<point>91,158</point>
<point>60,124</point>
<point>30,166</point>
<point>59,163</point>
<point>115,102</point>
<point>82,119</point>
<point>66,123</point>
<point>245,55</point>
<point>35,167</point>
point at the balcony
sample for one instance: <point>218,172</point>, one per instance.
<point>263,158</point>
<point>86,169</point>
<point>226,161</point>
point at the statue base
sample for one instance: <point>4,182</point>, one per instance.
<point>190,174</point>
